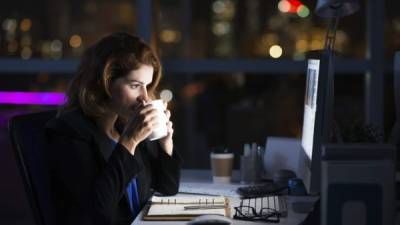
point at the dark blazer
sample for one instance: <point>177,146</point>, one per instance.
<point>89,176</point>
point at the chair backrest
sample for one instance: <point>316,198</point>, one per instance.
<point>29,143</point>
<point>394,136</point>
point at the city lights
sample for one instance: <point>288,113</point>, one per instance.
<point>25,24</point>
<point>299,56</point>
<point>26,40</point>
<point>301,45</point>
<point>218,7</point>
<point>56,46</point>
<point>9,25</point>
<point>12,46</point>
<point>221,28</point>
<point>170,36</point>
<point>75,41</point>
<point>223,9</point>
<point>275,51</point>
<point>26,53</point>
<point>269,39</point>
<point>284,6</point>
<point>303,11</point>
<point>396,24</point>
<point>45,49</point>
<point>22,38</point>
<point>317,44</point>
<point>56,49</point>
<point>293,6</point>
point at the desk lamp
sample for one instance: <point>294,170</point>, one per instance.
<point>334,9</point>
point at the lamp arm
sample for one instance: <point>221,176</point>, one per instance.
<point>331,33</point>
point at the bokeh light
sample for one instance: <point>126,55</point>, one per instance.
<point>56,46</point>
<point>303,11</point>
<point>9,25</point>
<point>25,24</point>
<point>26,53</point>
<point>218,7</point>
<point>12,46</point>
<point>317,44</point>
<point>75,41</point>
<point>275,51</point>
<point>170,36</point>
<point>221,28</point>
<point>301,45</point>
<point>26,40</point>
<point>284,6</point>
<point>166,95</point>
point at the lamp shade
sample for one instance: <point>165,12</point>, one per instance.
<point>336,8</point>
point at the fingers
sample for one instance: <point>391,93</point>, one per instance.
<point>145,109</point>
<point>151,119</point>
<point>168,114</point>
<point>137,107</point>
<point>170,128</point>
<point>145,117</point>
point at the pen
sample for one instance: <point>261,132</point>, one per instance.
<point>192,207</point>
<point>196,193</point>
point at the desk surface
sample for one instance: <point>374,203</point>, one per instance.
<point>204,177</point>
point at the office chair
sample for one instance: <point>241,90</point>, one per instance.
<point>28,141</point>
<point>394,137</point>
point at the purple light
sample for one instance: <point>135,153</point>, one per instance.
<point>32,98</point>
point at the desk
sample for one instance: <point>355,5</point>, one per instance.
<point>204,176</point>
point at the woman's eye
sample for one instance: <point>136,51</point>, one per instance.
<point>134,86</point>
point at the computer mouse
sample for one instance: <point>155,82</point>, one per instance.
<point>282,176</point>
<point>210,220</point>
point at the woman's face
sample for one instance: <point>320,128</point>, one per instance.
<point>129,90</point>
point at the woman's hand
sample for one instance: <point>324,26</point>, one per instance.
<point>139,126</point>
<point>166,142</point>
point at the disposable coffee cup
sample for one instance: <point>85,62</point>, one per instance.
<point>161,130</point>
<point>221,166</point>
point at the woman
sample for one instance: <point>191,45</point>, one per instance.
<point>103,168</point>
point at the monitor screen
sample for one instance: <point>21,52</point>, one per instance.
<point>318,104</point>
<point>310,107</point>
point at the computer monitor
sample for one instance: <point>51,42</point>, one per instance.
<point>317,122</point>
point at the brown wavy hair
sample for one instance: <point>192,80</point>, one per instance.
<point>112,57</point>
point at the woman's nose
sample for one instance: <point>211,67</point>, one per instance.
<point>144,95</point>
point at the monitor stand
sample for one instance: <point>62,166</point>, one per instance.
<point>303,207</point>
<point>314,210</point>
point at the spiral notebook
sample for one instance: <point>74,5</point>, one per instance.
<point>185,207</point>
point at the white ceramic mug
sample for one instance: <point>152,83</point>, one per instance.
<point>160,131</point>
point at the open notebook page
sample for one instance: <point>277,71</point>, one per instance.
<point>188,200</point>
<point>168,206</point>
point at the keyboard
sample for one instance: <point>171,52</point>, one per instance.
<point>256,191</point>
<point>228,190</point>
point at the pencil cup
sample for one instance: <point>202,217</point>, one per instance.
<point>250,170</point>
